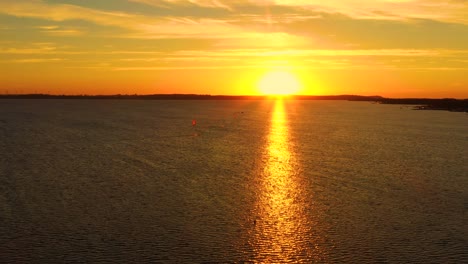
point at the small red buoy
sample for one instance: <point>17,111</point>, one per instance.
<point>194,122</point>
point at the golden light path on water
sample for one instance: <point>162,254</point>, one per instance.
<point>282,223</point>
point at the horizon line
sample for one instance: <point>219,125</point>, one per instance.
<point>265,96</point>
<point>184,94</point>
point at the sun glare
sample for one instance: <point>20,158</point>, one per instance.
<point>279,83</point>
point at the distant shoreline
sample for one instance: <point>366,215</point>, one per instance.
<point>190,97</point>
<point>447,104</point>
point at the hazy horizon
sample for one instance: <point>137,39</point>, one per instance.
<point>291,96</point>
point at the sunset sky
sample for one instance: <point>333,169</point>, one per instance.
<point>393,48</point>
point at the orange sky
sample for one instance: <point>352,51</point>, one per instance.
<point>393,48</point>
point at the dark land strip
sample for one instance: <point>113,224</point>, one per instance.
<point>448,104</point>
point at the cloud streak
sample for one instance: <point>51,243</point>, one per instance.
<point>141,26</point>
<point>440,10</point>
<point>35,60</point>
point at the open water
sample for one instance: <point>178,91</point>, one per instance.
<point>252,181</point>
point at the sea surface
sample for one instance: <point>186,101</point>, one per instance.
<point>260,181</point>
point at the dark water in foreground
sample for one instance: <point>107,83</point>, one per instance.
<point>253,181</point>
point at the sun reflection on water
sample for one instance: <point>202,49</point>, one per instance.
<point>281,222</point>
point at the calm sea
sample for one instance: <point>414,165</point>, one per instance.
<point>231,182</point>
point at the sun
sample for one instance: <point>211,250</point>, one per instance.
<point>279,83</point>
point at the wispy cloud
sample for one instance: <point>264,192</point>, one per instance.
<point>35,48</point>
<point>60,31</point>
<point>143,26</point>
<point>240,21</point>
<point>203,3</point>
<point>441,10</point>
<point>37,60</point>
<point>305,59</point>
<point>61,12</point>
<point>38,48</point>
<point>166,68</point>
<point>316,53</point>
